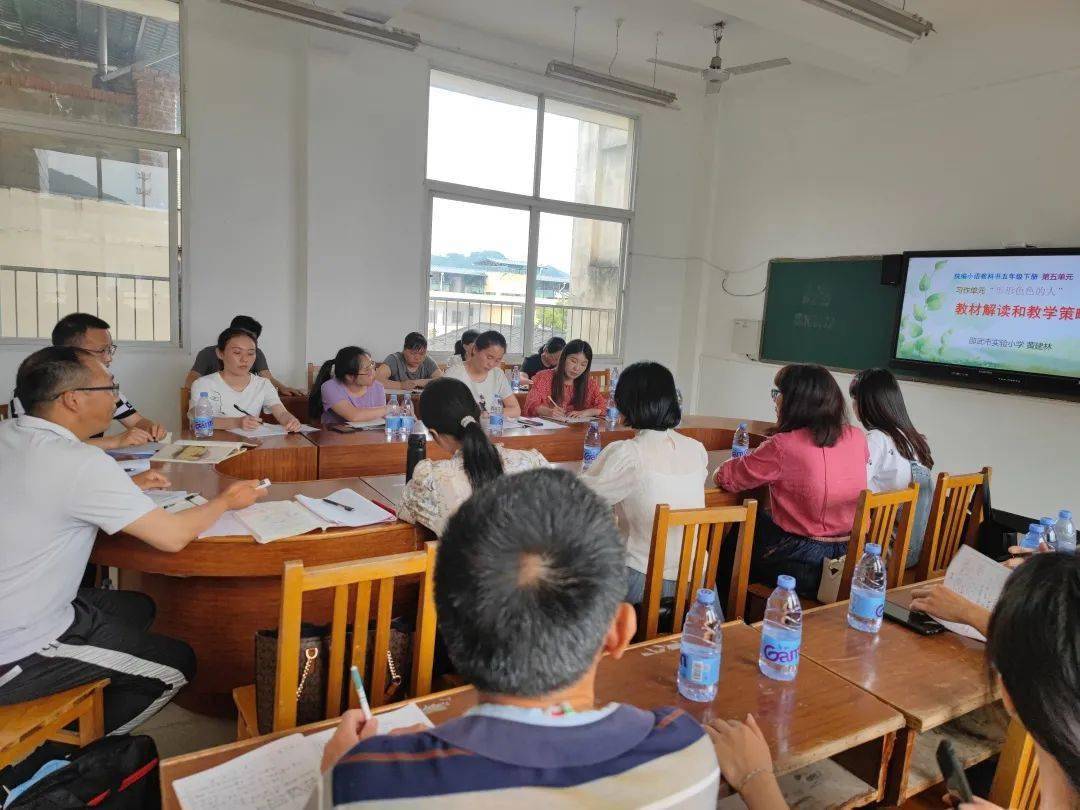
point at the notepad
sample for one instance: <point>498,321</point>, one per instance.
<point>571,420</point>
<point>266,430</point>
<point>364,512</point>
<point>188,451</point>
<point>138,451</point>
<point>275,520</point>
<point>281,775</point>
<point>978,579</point>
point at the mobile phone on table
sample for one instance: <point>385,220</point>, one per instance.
<point>345,429</point>
<point>953,772</point>
<point>915,620</point>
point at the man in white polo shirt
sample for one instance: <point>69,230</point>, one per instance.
<point>56,493</point>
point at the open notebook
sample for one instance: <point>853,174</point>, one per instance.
<point>280,775</point>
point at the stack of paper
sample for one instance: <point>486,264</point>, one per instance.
<point>364,512</point>
<point>370,423</point>
<point>176,500</point>
<point>265,430</point>
<point>274,520</point>
<point>280,775</point>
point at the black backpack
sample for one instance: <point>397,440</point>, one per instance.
<point>113,773</point>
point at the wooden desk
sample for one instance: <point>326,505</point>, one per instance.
<point>939,683</point>
<point>817,726</point>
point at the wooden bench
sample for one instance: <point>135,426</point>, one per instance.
<point>25,726</point>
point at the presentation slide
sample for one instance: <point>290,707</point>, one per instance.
<point>1014,313</point>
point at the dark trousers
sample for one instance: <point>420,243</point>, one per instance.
<point>109,638</point>
<point>779,552</point>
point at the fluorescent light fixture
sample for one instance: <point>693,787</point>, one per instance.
<point>613,84</point>
<point>879,15</point>
<point>332,21</point>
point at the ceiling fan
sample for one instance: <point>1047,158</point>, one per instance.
<point>716,74</point>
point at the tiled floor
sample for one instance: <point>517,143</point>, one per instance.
<point>178,731</point>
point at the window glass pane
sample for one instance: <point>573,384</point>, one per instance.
<point>83,228</point>
<point>53,62</point>
<point>587,155</point>
<point>579,276</point>
<point>478,272</point>
<point>480,134</point>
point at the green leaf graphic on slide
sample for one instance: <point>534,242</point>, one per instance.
<point>945,339</point>
<point>915,330</point>
<point>934,302</point>
<point>920,313</point>
<point>942,263</point>
<point>924,282</point>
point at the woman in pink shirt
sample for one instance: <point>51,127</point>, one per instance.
<point>815,467</point>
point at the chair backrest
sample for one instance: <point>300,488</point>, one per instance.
<point>1016,780</point>
<point>956,513</point>
<point>602,377</point>
<point>884,518</point>
<point>3,411</point>
<point>298,580</point>
<point>704,531</point>
<point>185,400</point>
<point>312,370</point>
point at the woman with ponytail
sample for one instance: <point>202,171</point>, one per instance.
<point>438,488</point>
<point>346,389</point>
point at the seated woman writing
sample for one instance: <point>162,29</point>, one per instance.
<point>814,465</point>
<point>346,390</point>
<point>438,488</point>
<point>567,389</point>
<point>482,374</point>
<point>239,397</point>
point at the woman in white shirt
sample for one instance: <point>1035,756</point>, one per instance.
<point>238,396</point>
<point>482,374</point>
<point>438,488</point>
<point>659,465</point>
<point>899,454</point>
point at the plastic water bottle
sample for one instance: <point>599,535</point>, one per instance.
<point>495,417</point>
<point>614,378</point>
<point>592,445</point>
<point>407,418</point>
<point>485,417</point>
<point>699,651</point>
<point>515,379</point>
<point>393,418</point>
<point>781,635</point>
<point>612,412</point>
<point>1036,533</point>
<point>203,423</point>
<point>867,604</point>
<point>740,445</point>
<point>1065,532</point>
<point>1048,530</point>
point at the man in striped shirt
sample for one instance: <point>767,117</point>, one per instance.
<point>529,584</point>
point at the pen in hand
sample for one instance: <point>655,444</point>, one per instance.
<point>245,413</point>
<point>358,685</point>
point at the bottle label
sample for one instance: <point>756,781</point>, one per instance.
<point>589,456</point>
<point>203,424</point>
<point>700,670</point>
<point>406,423</point>
<point>867,606</point>
<point>393,423</point>
<point>496,421</point>
<point>739,452</point>
<point>781,649</point>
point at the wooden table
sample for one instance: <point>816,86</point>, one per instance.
<point>825,734</point>
<point>939,683</point>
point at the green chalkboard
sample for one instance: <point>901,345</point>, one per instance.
<point>835,312</point>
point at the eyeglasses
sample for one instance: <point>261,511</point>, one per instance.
<point>114,388</point>
<point>774,393</point>
<point>109,350</point>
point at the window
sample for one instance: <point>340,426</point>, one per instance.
<point>532,248</point>
<point>90,149</point>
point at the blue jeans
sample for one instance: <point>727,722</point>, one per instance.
<point>779,552</point>
<point>635,586</point>
<point>921,476</point>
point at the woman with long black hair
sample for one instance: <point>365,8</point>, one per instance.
<point>438,488</point>
<point>346,390</point>
<point>462,348</point>
<point>567,389</point>
<point>899,454</point>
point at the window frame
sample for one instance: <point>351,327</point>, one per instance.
<point>535,205</point>
<point>175,145</point>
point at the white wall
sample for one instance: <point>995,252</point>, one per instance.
<point>974,147</point>
<point>305,201</point>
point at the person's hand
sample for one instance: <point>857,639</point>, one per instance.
<point>157,432</point>
<point>250,423</point>
<point>292,425</point>
<point>741,750</point>
<point>352,729</point>
<point>286,391</point>
<point>942,603</point>
<point>132,437</point>
<point>242,494</point>
<point>151,479</point>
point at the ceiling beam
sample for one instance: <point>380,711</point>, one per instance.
<point>138,39</point>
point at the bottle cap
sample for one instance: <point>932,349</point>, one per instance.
<point>204,394</point>
<point>873,548</point>
<point>786,582</point>
<point>1047,521</point>
<point>742,425</point>
<point>1065,514</point>
<point>418,427</point>
<point>1036,527</point>
<point>706,596</point>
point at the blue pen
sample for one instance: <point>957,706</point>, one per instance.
<point>358,685</point>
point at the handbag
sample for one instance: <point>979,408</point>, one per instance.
<point>312,664</point>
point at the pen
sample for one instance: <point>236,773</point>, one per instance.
<point>191,498</point>
<point>358,685</point>
<point>389,509</point>
<point>335,503</point>
<point>245,413</point>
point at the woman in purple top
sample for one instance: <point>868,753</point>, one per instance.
<point>346,389</point>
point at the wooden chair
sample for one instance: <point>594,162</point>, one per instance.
<point>297,581</point>
<point>25,726</point>
<point>956,513</point>
<point>1016,780</point>
<point>883,518</point>
<point>703,535</point>
<point>3,411</point>
<point>602,377</point>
